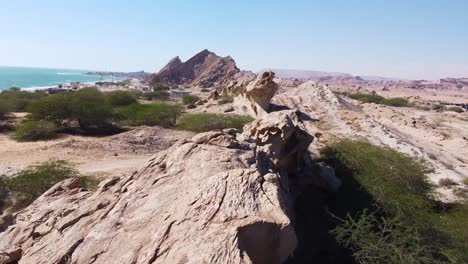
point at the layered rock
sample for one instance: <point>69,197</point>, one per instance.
<point>255,96</point>
<point>205,69</point>
<point>219,197</point>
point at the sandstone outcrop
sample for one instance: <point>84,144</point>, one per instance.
<point>255,96</point>
<point>205,69</point>
<point>219,197</point>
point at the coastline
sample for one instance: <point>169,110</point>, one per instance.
<point>30,79</point>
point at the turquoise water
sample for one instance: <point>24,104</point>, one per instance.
<point>42,77</point>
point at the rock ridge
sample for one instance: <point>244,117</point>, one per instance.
<point>219,197</point>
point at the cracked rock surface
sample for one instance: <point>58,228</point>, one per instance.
<point>219,197</point>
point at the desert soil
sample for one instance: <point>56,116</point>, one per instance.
<point>98,156</point>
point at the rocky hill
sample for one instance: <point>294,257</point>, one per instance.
<point>205,69</point>
<point>227,202</point>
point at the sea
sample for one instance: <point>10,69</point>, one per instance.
<point>41,78</point>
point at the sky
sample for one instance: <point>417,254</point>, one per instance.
<point>412,39</point>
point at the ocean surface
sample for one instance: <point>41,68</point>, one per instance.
<point>37,78</point>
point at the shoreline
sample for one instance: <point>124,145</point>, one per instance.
<point>38,88</point>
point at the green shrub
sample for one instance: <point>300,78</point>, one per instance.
<point>19,101</point>
<point>385,209</point>
<point>204,90</point>
<point>90,108</point>
<point>225,99</point>
<point>152,114</point>
<point>27,185</point>
<point>157,95</point>
<point>438,107</point>
<point>4,108</point>
<point>121,98</point>
<point>160,87</point>
<point>384,172</point>
<point>446,182</point>
<point>397,102</point>
<point>377,99</point>
<point>207,122</point>
<point>190,99</point>
<point>35,130</point>
<point>54,108</point>
<point>455,109</point>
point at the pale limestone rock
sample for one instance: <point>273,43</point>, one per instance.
<point>253,97</point>
<point>219,197</point>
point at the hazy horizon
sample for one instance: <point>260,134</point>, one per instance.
<point>397,39</point>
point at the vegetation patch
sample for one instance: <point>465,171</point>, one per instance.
<point>160,114</point>
<point>377,99</point>
<point>23,188</point>
<point>207,122</point>
<point>383,212</point>
<point>190,99</point>
<point>401,223</point>
<point>156,95</point>
<point>4,109</point>
<point>35,130</point>
<point>160,87</point>
<point>89,109</point>
<point>18,101</point>
<point>446,182</point>
<point>121,98</point>
<point>225,99</point>
<point>455,109</point>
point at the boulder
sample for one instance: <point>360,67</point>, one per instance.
<point>254,96</point>
<point>219,197</point>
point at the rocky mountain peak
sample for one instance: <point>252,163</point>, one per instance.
<point>205,69</point>
<point>173,63</point>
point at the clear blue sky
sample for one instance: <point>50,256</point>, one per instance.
<point>401,38</point>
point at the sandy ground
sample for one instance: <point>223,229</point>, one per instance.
<point>99,156</point>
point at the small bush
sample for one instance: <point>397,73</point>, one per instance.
<point>385,211</point>
<point>190,99</point>
<point>208,122</point>
<point>4,108</point>
<point>455,109</point>
<point>397,102</point>
<point>384,172</point>
<point>204,90</point>
<point>121,98</point>
<point>54,108</point>
<point>26,186</point>
<point>151,115</point>
<point>34,130</point>
<point>157,95</point>
<point>160,87</point>
<point>90,108</point>
<point>446,182</point>
<point>438,107</point>
<point>19,101</point>
<point>465,181</point>
<point>377,99</point>
<point>225,100</point>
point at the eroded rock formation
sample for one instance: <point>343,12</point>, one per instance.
<point>219,197</point>
<point>254,96</point>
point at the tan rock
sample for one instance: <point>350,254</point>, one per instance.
<point>218,197</point>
